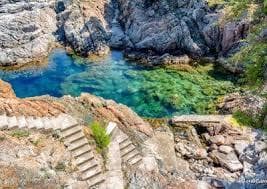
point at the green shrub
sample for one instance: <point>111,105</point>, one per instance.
<point>254,58</point>
<point>20,133</point>
<point>99,133</point>
<point>265,6</point>
<point>60,166</point>
<point>246,119</point>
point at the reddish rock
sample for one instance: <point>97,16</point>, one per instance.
<point>6,90</point>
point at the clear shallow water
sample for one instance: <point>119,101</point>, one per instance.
<point>150,92</point>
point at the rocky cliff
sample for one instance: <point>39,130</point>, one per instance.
<point>29,28</point>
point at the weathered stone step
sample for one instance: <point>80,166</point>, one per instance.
<point>74,137</point>
<point>127,149</point>
<point>78,144</point>
<point>22,123</point>
<point>135,159</point>
<point>71,131</point>
<point>129,155</point>
<point>67,121</point>
<point>3,122</point>
<point>122,137</point>
<point>91,173</point>
<point>199,118</point>
<point>47,123</point>
<point>84,158</point>
<point>125,144</point>
<point>96,180</point>
<point>87,165</point>
<point>12,122</point>
<point>34,123</point>
<point>80,151</point>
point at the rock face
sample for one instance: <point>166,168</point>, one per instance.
<point>164,26</point>
<point>26,31</point>
<point>29,29</point>
<point>84,26</point>
<point>247,103</point>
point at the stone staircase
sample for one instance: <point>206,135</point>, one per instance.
<point>73,137</point>
<point>129,154</point>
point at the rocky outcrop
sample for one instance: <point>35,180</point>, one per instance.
<point>11,105</point>
<point>26,31</point>
<point>84,26</point>
<point>6,90</point>
<point>224,156</point>
<point>164,26</point>
<point>29,29</point>
<point>34,160</point>
<point>251,104</point>
<point>155,60</point>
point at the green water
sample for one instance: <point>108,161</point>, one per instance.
<point>151,92</point>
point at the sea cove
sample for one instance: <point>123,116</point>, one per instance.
<point>151,92</point>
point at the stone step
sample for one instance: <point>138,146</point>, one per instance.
<point>22,122</point>
<point>87,175</point>
<point>125,144</point>
<point>122,137</point>
<point>135,159</point>
<point>87,165</point>
<point>74,137</point>
<point>127,149</point>
<point>47,123</point>
<point>67,121</point>
<point>12,122</point>
<point>84,158</point>
<point>96,180</point>
<point>30,122</point>
<point>78,144</point>
<point>80,151</point>
<point>129,155</point>
<point>34,123</point>
<point>55,124</point>
<point>71,131</point>
<point>3,122</point>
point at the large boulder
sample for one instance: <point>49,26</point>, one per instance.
<point>85,27</point>
<point>26,31</point>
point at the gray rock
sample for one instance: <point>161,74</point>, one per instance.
<point>263,34</point>
<point>26,31</point>
<point>217,139</point>
<point>225,149</point>
<point>229,161</point>
<point>84,30</point>
<point>240,146</point>
<point>260,146</point>
<point>167,26</point>
<point>263,160</point>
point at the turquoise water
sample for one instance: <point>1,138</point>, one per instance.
<point>157,92</point>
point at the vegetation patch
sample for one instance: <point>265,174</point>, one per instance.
<point>20,133</point>
<point>60,166</point>
<point>2,138</point>
<point>246,119</point>
<point>99,134</point>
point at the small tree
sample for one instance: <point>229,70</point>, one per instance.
<point>100,136</point>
